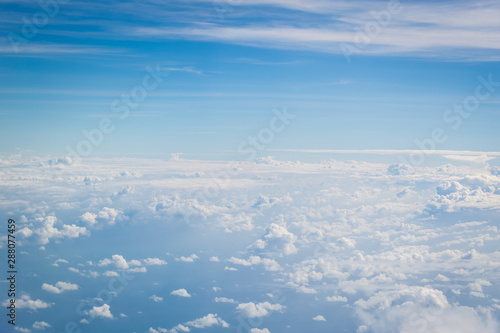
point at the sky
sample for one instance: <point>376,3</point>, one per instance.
<point>250,166</point>
<point>231,63</point>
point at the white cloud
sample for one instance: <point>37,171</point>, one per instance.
<point>336,299</point>
<point>109,215</point>
<point>59,287</point>
<point>319,318</point>
<point>156,299</point>
<point>203,322</point>
<point>101,311</point>
<point>88,218</point>
<point>278,239</point>
<point>59,261</point>
<point>138,270</point>
<point>269,264</point>
<point>154,261</point>
<point>214,259</point>
<point>253,310</point>
<point>41,325</point>
<point>181,293</point>
<point>111,274</point>
<point>47,230</point>
<point>117,260</point>
<point>25,302</point>
<point>191,258</point>
<point>224,300</point>
<point>258,330</point>
<point>207,321</point>
<point>25,232</point>
<point>306,290</point>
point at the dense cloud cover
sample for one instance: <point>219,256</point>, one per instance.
<point>271,246</point>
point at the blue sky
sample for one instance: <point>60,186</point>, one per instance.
<point>231,63</point>
<point>253,165</point>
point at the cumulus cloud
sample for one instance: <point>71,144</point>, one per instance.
<point>41,325</point>
<point>255,310</point>
<point>306,290</point>
<point>181,293</point>
<point>47,230</point>
<point>336,299</point>
<point>106,216</point>
<point>389,242</point>
<point>224,300</point>
<point>269,264</point>
<point>117,260</point>
<point>259,330</point>
<point>319,318</point>
<point>154,261</point>
<point>278,239</point>
<point>25,302</point>
<point>101,311</point>
<point>207,321</point>
<point>111,274</point>
<point>59,287</point>
<point>191,258</point>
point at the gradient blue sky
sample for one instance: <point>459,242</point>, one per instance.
<point>228,72</point>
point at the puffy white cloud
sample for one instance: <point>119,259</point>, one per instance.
<point>109,215</point>
<point>336,299</point>
<point>203,322</point>
<point>267,202</point>
<point>111,274</point>
<point>59,287</point>
<point>259,330</point>
<point>105,216</point>
<point>120,262</point>
<point>47,230</point>
<point>384,299</point>
<point>154,261</point>
<point>277,238</point>
<point>413,318</point>
<point>306,290</point>
<point>88,218</point>
<point>269,264</point>
<point>476,287</point>
<point>319,318</point>
<point>253,310</point>
<point>224,300</point>
<point>138,270</point>
<point>207,321</point>
<point>101,311</point>
<point>25,232</point>
<point>181,293</point>
<point>117,260</point>
<point>353,229</point>
<point>214,259</point>
<point>25,302</point>
<point>41,325</point>
<point>191,258</point>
